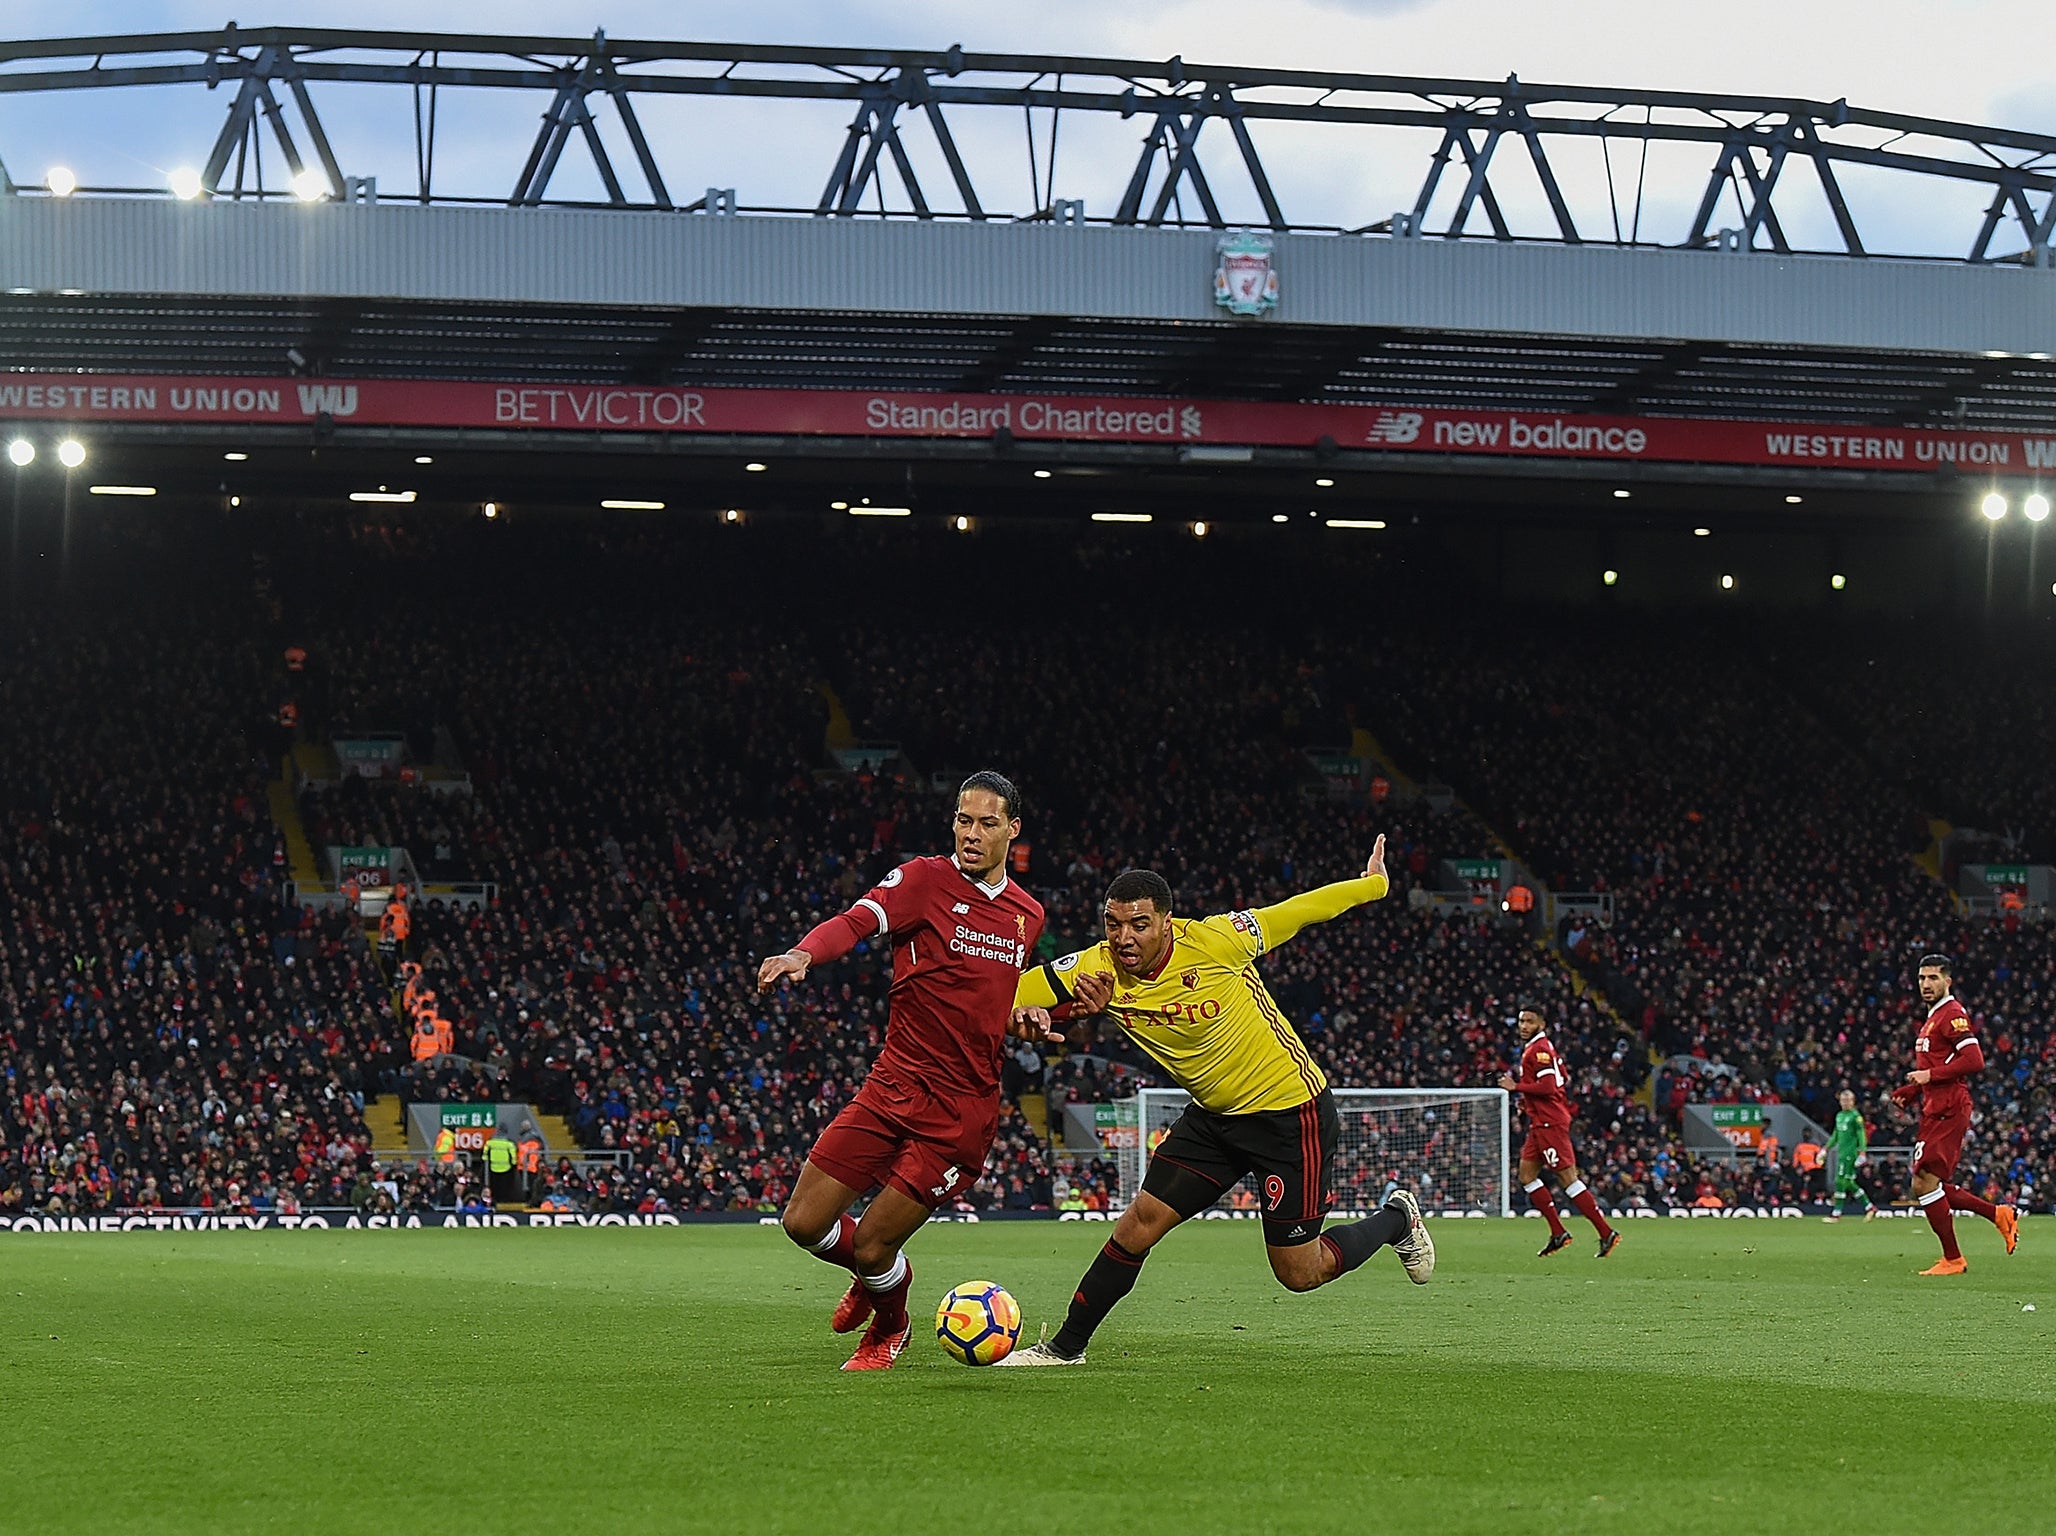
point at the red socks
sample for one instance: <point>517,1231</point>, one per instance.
<point>889,1293</point>
<point>1961,1199</point>
<point>839,1247</point>
<point>1581,1197</point>
<point>1538,1197</point>
<point>1936,1205</point>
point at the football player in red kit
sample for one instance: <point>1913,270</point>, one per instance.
<point>1946,1053</point>
<point>920,1127</point>
<point>1540,1087</point>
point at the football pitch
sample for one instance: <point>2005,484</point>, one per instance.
<point>1715,1376</point>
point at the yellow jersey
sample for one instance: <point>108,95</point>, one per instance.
<point>1203,1014</point>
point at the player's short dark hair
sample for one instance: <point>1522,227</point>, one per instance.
<point>1939,962</point>
<point>1141,885</point>
<point>994,783</point>
<point>1530,1005</point>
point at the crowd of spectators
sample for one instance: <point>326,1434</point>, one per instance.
<point>642,711</point>
<point>1768,912</point>
<point>172,1033</point>
<point>1961,718</point>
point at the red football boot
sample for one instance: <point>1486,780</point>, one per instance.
<point>854,1310</point>
<point>890,1327</point>
<point>880,1347</point>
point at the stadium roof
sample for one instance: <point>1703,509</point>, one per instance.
<point>1413,315</point>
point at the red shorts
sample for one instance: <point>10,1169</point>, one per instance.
<point>927,1147</point>
<point>1939,1142</point>
<point>1550,1146</point>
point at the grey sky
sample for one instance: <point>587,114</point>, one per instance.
<point>1966,59</point>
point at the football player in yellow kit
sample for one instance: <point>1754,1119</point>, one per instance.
<point>1187,991</point>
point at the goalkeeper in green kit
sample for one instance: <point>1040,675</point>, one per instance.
<point>1849,1143</point>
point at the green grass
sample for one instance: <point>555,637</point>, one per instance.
<point>1766,1376</point>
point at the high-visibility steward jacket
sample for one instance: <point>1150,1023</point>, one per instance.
<point>424,1043</point>
<point>445,1033</point>
<point>1808,1155</point>
<point>446,1145</point>
<point>499,1154</point>
<point>531,1154</point>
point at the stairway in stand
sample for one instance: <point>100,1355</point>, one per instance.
<point>386,1118</point>
<point>557,1135</point>
<point>1035,1110</point>
<point>304,867</point>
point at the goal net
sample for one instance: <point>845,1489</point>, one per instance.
<point>1448,1145</point>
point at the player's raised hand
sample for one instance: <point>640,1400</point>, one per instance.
<point>1029,1023</point>
<point>790,966</point>
<point>1507,1081</point>
<point>1092,991</point>
<point>1377,864</point>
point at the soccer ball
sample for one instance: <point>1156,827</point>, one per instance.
<point>978,1323</point>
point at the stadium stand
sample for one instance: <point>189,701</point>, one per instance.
<point>641,709</point>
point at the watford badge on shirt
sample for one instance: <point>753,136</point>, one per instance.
<point>1190,978</point>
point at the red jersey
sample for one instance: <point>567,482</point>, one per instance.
<point>1947,1047</point>
<point>958,950</point>
<point>1541,1086</point>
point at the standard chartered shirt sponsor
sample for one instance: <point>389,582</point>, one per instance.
<point>979,945</point>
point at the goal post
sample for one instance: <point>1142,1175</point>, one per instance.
<point>1451,1146</point>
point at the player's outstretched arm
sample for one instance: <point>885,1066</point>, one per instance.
<point>830,940</point>
<point>793,965</point>
<point>1284,919</point>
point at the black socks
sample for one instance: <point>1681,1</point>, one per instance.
<point>1360,1239</point>
<point>1111,1276</point>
